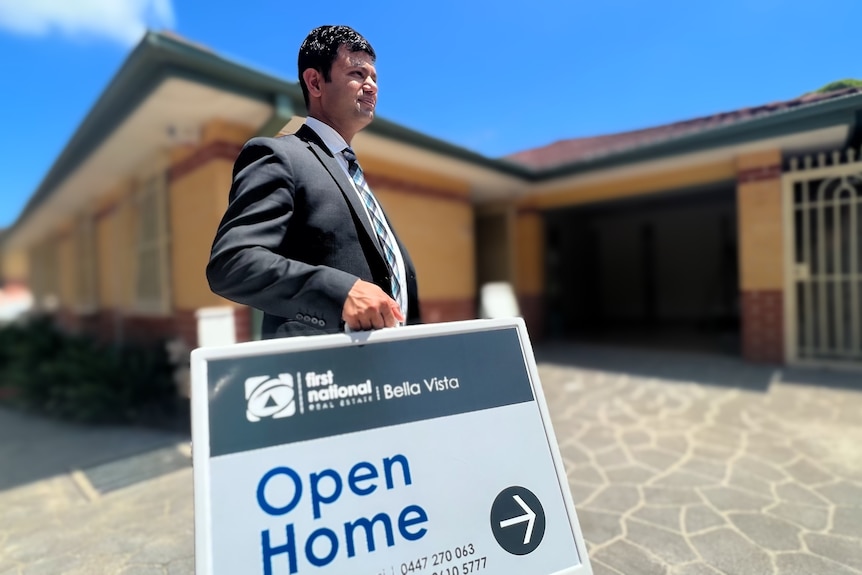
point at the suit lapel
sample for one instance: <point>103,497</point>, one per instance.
<point>335,170</point>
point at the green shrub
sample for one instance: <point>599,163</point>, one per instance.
<point>77,378</point>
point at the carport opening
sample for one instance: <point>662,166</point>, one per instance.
<point>657,271</point>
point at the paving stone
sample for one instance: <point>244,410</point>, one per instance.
<point>843,493</point>
<point>813,518</point>
<point>683,479</point>
<point>587,473</point>
<point>581,492</point>
<point>621,419</point>
<point>599,527</point>
<point>655,458</point>
<point>600,568</point>
<point>636,437</point>
<point>667,517</point>
<point>158,551</point>
<point>669,546</point>
<point>760,468</point>
<point>694,569</point>
<point>675,443</point>
<point>732,499</point>
<point>574,454</point>
<point>716,470</point>
<point>670,496</point>
<point>839,549</point>
<point>630,474</point>
<point>768,532</point>
<point>719,436</point>
<point>848,522</point>
<point>628,559</point>
<point>749,482</point>
<point>612,458</point>
<point>143,570</point>
<point>776,454</point>
<point>804,472</point>
<point>795,493</point>
<point>597,438</point>
<point>184,566</point>
<point>699,517</point>
<point>803,564</point>
<point>717,453</point>
<point>729,552</point>
<point>615,498</point>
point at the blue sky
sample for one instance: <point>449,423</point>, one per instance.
<point>494,77</point>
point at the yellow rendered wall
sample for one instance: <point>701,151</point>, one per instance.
<point>529,253</point>
<point>574,194</point>
<point>197,202</point>
<point>66,273</point>
<point>761,229</point>
<point>434,219</point>
<point>15,267</point>
<point>438,234</point>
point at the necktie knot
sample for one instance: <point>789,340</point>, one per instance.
<point>352,164</point>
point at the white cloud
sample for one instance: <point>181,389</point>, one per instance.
<point>122,21</point>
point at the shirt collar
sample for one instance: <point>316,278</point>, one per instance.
<point>332,139</point>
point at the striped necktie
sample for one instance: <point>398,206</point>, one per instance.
<point>376,214</point>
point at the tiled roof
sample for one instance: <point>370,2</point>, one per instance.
<point>577,149</point>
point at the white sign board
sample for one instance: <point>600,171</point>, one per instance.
<point>422,450</point>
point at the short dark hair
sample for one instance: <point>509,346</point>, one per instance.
<point>320,48</point>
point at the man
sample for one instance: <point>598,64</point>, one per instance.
<point>303,238</point>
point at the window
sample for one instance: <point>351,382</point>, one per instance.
<point>44,276</point>
<point>152,277</point>
<point>85,270</point>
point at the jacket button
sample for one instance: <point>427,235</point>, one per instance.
<point>299,316</point>
<point>306,317</point>
<point>322,323</point>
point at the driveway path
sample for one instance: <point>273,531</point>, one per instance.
<point>679,464</point>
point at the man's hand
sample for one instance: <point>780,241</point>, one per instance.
<point>368,307</point>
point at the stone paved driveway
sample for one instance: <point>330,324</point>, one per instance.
<point>679,464</point>
<point>690,465</point>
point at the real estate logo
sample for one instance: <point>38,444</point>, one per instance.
<point>270,397</point>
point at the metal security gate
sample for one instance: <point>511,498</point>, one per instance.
<point>823,245</point>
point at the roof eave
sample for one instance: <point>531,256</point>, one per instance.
<point>841,111</point>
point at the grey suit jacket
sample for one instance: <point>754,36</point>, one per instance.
<point>295,238</point>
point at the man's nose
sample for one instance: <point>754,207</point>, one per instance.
<point>370,85</point>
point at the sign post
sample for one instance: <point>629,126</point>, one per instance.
<point>423,450</point>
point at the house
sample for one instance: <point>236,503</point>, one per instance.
<point>738,230</point>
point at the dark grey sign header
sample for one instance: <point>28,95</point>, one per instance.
<point>262,401</point>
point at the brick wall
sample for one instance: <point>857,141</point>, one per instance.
<point>435,311</point>
<point>763,325</point>
<point>761,256</point>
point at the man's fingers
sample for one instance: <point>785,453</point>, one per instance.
<point>369,307</point>
<point>396,311</point>
<point>387,314</point>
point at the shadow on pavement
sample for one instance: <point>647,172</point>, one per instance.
<point>34,448</point>
<point>690,366</point>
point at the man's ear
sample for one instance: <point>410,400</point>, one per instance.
<point>313,79</point>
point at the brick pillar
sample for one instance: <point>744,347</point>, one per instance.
<point>761,256</point>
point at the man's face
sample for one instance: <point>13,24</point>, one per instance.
<point>348,100</point>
